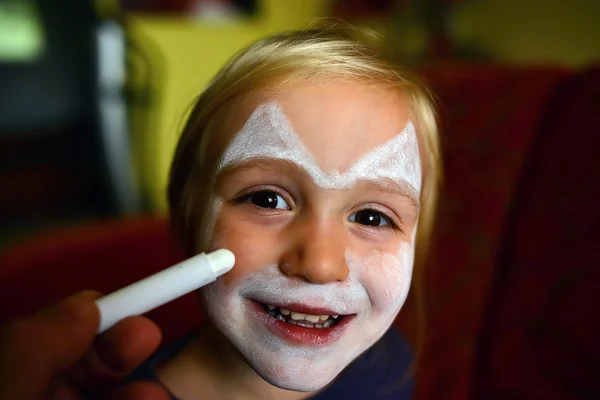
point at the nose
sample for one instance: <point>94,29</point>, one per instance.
<point>316,252</point>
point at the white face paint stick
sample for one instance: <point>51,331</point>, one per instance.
<point>163,287</point>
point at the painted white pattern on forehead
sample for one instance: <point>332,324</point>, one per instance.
<point>268,134</point>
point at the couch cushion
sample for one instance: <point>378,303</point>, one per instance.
<point>488,115</point>
<point>542,324</point>
<point>104,257</point>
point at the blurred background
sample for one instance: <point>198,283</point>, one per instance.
<point>93,95</point>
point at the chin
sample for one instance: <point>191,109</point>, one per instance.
<point>283,373</point>
<point>278,343</point>
<point>283,380</point>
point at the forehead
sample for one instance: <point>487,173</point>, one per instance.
<point>336,122</point>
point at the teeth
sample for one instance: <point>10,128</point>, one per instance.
<point>298,316</point>
<point>304,320</point>
<point>312,318</point>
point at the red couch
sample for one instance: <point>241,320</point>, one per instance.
<point>104,257</point>
<point>512,279</point>
<point>513,274</point>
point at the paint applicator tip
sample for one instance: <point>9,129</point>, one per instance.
<point>221,260</point>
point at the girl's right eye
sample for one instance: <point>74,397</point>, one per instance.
<point>267,199</point>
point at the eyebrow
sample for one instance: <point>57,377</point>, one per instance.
<point>391,187</point>
<point>279,166</point>
<point>262,163</point>
<point>238,171</point>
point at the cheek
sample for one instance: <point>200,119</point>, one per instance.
<point>253,248</point>
<point>385,276</point>
<point>211,207</point>
<point>391,281</point>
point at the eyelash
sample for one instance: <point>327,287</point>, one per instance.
<point>391,223</point>
<point>246,198</point>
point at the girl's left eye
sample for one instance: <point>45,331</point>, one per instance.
<point>267,199</point>
<point>370,218</point>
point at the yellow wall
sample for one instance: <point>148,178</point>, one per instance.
<point>187,54</point>
<point>532,31</point>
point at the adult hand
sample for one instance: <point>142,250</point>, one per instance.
<point>55,353</point>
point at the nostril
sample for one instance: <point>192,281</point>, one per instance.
<point>285,268</point>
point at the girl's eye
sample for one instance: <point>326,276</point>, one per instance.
<point>370,218</point>
<point>268,199</point>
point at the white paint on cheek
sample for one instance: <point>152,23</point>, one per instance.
<point>386,278</point>
<point>268,134</point>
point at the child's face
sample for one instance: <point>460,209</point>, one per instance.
<point>317,195</point>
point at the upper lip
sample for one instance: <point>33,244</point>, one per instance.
<point>304,308</point>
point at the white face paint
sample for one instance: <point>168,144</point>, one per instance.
<point>268,134</point>
<point>374,292</point>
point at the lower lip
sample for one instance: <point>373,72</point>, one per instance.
<point>298,335</point>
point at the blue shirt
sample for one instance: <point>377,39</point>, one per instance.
<point>382,372</point>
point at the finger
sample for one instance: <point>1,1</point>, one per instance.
<point>71,326</point>
<point>33,349</point>
<point>140,391</point>
<point>128,344</point>
<point>117,352</point>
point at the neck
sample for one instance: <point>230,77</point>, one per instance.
<point>209,367</point>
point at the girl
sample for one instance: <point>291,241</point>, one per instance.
<point>315,160</point>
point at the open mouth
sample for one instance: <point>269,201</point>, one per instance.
<point>322,321</point>
<point>302,325</point>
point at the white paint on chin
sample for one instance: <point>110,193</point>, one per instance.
<point>375,291</point>
<point>292,367</point>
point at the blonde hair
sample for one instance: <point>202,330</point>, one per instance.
<point>315,54</point>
